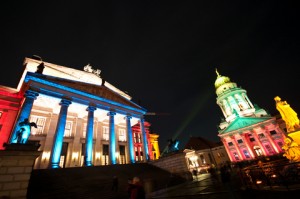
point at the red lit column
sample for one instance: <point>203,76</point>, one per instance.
<point>270,139</point>
<point>246,141</point>
<point>237,148</point>
<point>227,149</point>
<point>259,142</point>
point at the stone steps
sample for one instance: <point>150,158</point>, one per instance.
<point>96,182</point>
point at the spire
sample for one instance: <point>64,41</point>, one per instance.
<point>221,80</point>
<point>217,72</point>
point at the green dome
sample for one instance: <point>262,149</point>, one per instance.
<point>221,80</point>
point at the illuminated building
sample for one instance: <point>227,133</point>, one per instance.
<point>247,131</point>
<point>202,154</point>
<point>10,102</point>
<point>153,139</point>
<point>82,120</point>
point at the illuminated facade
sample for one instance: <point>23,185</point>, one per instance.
<point>10,102</point>
<point>202,154</point>
<point>247,131</point>
<point>153,139</point>
<point>81,119</point>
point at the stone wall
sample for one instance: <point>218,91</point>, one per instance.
<point>174,163</point>
<point>15,172</point>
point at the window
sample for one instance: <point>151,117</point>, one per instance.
<point>252,139</point>
<point>258,151</point>
<point>122,135</point>
<point>137,137</point>
<point>240,141</point>
<point>273,132</point>
<point>105,149</point>
<point>122,150</point>
<point>105,133</point>
<point>122,154</point>
<point>105,154</point>
<point>230,144</point>
<point>68,129</point>
<point>134,137</point>
<point>269,148</point>
<point>261,135</point>
<point>40,122</point>
<point>246,154</point>
<point>84,130</point>
<point>236,156</point>
<point>202,159</point>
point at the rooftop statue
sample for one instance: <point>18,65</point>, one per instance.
<point>88,68</point>
<point>287,114</point>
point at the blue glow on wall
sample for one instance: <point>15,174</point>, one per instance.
<point>130,140</point>
<point>112,139</point>
<point>89,136</point>
<point>59,134</point>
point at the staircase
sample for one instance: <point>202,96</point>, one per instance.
<point>96,182</point>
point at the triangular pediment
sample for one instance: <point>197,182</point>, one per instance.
<point>96,90</point>
<point>244,122</point>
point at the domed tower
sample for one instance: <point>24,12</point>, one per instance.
<point>234,101</point>
<point>247,131</point>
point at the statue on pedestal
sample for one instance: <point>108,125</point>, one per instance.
<point>24,131</point>
<point>292,150</point>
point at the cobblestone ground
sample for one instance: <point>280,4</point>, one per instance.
<point>207,187</point>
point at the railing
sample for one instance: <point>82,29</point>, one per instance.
<point>271,175</point>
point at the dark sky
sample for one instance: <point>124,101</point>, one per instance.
<point>164,53</point>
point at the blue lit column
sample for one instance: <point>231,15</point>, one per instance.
<point>130,139</point>
<point>30,96</point>
<point>89,136</point>
<point>112,138</point>
<point>59,134</point>
<point>144,139</point>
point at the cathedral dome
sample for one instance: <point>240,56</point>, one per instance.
<point>221,80</point>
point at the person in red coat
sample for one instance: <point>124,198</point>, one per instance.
<point>136,189</point>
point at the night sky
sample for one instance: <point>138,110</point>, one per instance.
<point>164,53</point>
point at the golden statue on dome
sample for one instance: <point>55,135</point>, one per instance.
<point>288,115</point>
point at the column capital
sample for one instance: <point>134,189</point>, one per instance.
<point>31,94</point>
<point>91,108</point>
<point>111,113</point>
<point>128,117</point>
<point>65,102</point>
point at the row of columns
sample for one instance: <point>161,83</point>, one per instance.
<point>31,95</point>
<point>225,104</point>
<point>247,144</point>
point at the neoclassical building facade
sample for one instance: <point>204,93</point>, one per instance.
<point>81,119</point>
<point>247,130</point>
